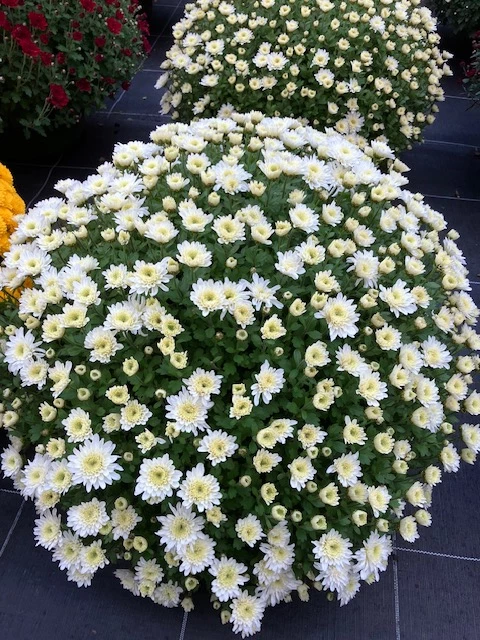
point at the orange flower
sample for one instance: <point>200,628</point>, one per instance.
<point>11,205</point>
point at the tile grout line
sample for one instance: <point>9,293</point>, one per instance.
<point>396,594</point>
<point>14,491</point>
<point>437,554</point>
<point>184,625</point>
<point>9,534</point>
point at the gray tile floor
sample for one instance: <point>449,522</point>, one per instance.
<point>430,591</point>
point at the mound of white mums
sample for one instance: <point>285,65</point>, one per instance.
<point>239,365</point>
<point>371,68</point>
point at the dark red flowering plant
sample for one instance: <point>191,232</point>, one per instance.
<point>472,70</point>
<point>59,59</point>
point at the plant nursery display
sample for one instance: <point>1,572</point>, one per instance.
<point>60,59</point>
<point>370,68</point>
<point>461,15</point>
<point>240,365</point>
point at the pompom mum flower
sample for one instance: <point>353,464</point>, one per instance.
<point>254,359</point>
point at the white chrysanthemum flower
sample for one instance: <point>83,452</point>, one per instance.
<point>333,577</point>
<point>372,558</point>
<point>81,578</point>
<point>398,298</point>
<point>353,433</point>
<point>133,414</point>
<point>199,489</point>
<point>203,384</point>
<point>304,218</point>
<point>269,381</point>
<point>249,530</point>
<point>92,558</point>
<point>283,429</point>
<point>47,530</point>
<point>228,578</point>
<point>34,476</point>
<point>67,551</point>
<point>435,353</point>
<point>103,345</point>
<point>229,229</point>
<point>11,461</point>
<point>348,469</point>
<point>218,445</point>
<point>247,614</point>
<point>20,349</point>
<point>316,355</point>
<point>34,373</point>
<point>179,528</point>
<point>350,361</point>
<point>207,295</point>
<point>450,458</point>
<point>168,594</point>
<point>471,436</point>
<point>60,376</point>
<point>189,412</point>
<point>59,477</point>
<point>262,293</point>
<point>290,264</point>
<point>332,550</point>
<point>197,556</point>
<point>349,590</point>
<point>194,254</point>
<point>278,558</point>
<point>301,471</point>
<point>411,358</point>
<point>123,522</point>
<point>408,529</point>
<point>93,464</point>
<point>78,425</point>
<point>379,499</point>
<point>157,478</point>
<point>372,388</point>
<point>341,317</point>
<point>87,518</point>
<point>123,316</point>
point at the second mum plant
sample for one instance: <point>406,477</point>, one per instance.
<point>62,59</point>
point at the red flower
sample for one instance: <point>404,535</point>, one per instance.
<point>119,15</point>
<point>100,41</point>
<point>29,48</point>
<point>99,57</point>
<point>11,3</point>
<point>88,5</point>
<point>21,33</point>
<point>60,58</point>
<point>4,23</point>
<point>44,38</point>
<point>77,36</point>
<point>125,85</point>
<point>46,58</point>
<point>58,97</point>
<point>38,21</point>
<point>114,26</point>
<point>147,47</point>
<point>127,52</point>
<point>83,85</point>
